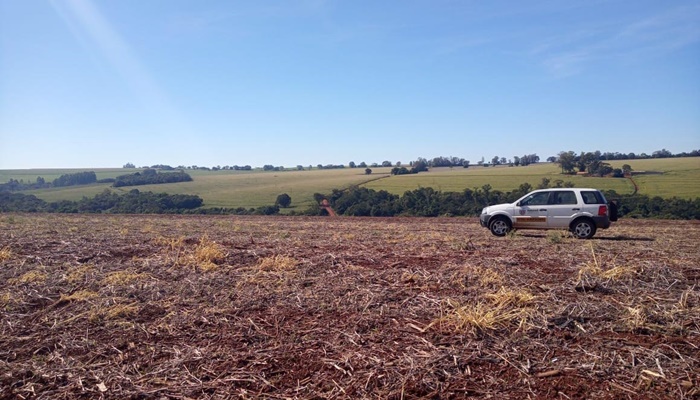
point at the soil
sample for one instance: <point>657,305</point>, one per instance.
<point>178,307</point>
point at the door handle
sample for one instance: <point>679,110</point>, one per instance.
<point>575,209</point>
<point>543,209</point>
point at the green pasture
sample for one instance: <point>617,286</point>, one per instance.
<point>30,175</point>
<point>237,188</point>
<point>680,178</point>
<point>501,178</point>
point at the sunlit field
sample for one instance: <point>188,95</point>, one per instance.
<point>680,177</point>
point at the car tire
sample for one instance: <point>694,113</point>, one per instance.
<point>500,226</point>
<point>583,228</point>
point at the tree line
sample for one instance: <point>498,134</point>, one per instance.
<point>355,201</point>
<point>78,178</point>
<point>441,161</point>
<point>151,176</point>
<point>428,202</point>
<point>133,202</point>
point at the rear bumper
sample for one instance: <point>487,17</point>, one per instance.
<point>602,222</point>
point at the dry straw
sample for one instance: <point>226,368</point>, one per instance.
<point>503,310</point>
<point>5,254</point>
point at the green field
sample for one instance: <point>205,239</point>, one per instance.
<point>681,178</point>
<point>30,175</point>
<point>219,188</point>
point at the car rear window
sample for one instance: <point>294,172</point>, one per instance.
<point>592,197</point>
<point>565,197</point>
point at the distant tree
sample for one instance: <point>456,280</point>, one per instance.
<point>368,171</point>
<point>402,171</point>
<point>386,163</point>
<point>352,164</point>
<point>551,159</point>
<point>40,180</point>
<point>150,177</point>
<point>398,163</point>
<point>419,166</point>
<point>495,160</point>
<point>300,167</point>
<point>663,153</point>
<point>516,161</point>
<point>585,160</point>
<point>268,167</point>
<point>79,178</point>
<point>129,165</point>
<point>283,200</point>
<point>465,163</point>
<point>363,165</point>
<point>626,169</point>
<point>528,159</point>
<point>567,161</point>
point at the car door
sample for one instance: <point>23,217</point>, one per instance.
<point>563,205</point>
<point>531,211</point>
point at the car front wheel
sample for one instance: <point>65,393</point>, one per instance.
<point>500,226</point>
<point>583,229</point>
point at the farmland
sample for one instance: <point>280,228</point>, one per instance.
<point>304,307</point>
<point>258,188</point>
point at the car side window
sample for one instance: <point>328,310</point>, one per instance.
<point>536,199</point>
<point>567,197</point>
<point>590,197</point>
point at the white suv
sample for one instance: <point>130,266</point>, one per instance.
<point>582,211</point>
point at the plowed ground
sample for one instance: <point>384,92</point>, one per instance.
<point>271,307</point>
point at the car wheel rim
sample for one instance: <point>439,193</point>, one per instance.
<point>500,227</point>
<point>583,230</point>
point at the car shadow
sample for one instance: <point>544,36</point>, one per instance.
<point>618,238</point>
<point>623,238</point>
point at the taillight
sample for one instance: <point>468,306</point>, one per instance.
<point>603,210</point>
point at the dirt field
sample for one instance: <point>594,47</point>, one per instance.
<point>175,307</point>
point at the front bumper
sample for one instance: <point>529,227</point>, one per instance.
<point>483,220</point>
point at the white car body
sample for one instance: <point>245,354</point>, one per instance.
<point>581,210</point>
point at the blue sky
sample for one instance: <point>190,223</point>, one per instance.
<point>97,83</point>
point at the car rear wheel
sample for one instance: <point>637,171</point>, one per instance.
<point>583,229</point>
<point>500,226</point>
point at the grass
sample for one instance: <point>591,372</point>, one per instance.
<point>237,188</point>
<point>257,188</point>
<point>501,178</point>
<point>680,178</point>
<point>49,174</point>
